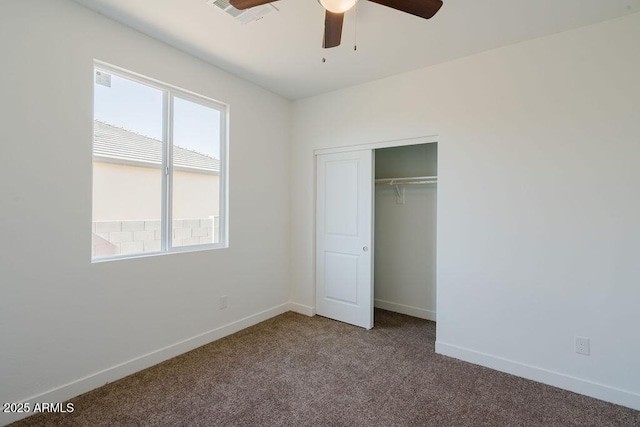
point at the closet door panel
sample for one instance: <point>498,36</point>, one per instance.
<point>344,221</point>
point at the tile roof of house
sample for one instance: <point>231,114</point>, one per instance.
<point>123,146</point>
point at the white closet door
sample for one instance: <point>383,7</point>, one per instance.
<point>344,231</point>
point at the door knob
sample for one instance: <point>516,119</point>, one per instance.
<point>365,248</point>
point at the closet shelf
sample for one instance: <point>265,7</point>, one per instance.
<point>414,180</point>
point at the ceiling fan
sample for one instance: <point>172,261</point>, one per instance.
<point>335,10</point>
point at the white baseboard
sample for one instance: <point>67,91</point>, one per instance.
<point>405,309</point>
<point>114,373</point>
<point>302,309</point>
<point>556,379</point>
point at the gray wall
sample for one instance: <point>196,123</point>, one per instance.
<point>410,160</point>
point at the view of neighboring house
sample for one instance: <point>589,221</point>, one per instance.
<point>127,174</point>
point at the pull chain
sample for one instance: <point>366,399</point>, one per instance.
<point>355,28</point>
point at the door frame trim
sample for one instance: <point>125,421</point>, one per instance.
<point>381,144</point>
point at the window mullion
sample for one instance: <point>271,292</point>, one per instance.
<point>223,177</point>
<point>166,171</point>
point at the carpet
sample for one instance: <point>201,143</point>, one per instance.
<point>293,370</point>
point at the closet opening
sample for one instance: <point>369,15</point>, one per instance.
<point>405,229</point>
<point>376,230</point>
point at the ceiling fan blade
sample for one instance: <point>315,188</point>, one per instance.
<point>332,29</point>
<point>246,4</point>
<point>422,8</point>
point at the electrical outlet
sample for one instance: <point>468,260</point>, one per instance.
<point>583,346</point>
<point>223,302</point>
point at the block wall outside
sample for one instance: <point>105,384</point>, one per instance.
<point>111,238</point>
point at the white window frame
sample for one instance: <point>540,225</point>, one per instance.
<point>169,93</point>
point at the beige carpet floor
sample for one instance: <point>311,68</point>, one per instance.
<point>294,370</point>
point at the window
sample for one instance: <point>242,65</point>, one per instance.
<point>158,167</point>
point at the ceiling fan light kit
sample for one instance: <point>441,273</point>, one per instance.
<point>335,9</point>
<point>338,6</point>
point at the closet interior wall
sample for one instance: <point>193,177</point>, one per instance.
<point>405,232</point>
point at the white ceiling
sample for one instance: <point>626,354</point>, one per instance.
<point>282,52</point>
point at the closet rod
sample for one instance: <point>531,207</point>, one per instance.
<point>408,181</point>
